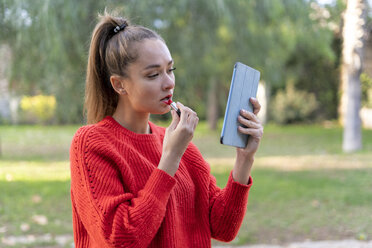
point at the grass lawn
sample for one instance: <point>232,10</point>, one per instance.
<point>304,186</point>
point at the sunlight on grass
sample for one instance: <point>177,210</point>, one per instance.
<point>287,206</point>
<point>304,186</point>
<point>36,200</point>
<point>34,171</point>
<point>304,162</point>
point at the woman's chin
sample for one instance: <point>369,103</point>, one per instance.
<point>163,112</point>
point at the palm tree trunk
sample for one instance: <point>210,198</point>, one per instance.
<point>352,50</point>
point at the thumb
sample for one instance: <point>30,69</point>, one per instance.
<point>175,120</point>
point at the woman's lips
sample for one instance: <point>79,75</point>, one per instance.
<point>167,99</point>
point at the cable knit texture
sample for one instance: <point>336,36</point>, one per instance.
<point>121,199</point>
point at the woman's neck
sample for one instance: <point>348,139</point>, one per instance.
<point>133,121</point>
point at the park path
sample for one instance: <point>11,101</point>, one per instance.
<point>313,244</point>
<point>63,240</point>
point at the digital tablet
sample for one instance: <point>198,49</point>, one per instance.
<point>244,85</point>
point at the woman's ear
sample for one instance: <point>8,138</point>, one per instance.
<point>118,84</point>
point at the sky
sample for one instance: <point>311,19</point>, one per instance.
<point>332,1</point>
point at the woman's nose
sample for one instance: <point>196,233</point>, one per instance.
<point>168,82</point>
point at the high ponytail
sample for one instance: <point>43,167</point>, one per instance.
<point>110,53</point>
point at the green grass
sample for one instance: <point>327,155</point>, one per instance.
<point>292,206</point>
<point>284,140</point>
<point>31,189</point>
<point>328,197</point>
<point>36,142</point>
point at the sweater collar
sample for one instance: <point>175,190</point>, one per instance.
<point>111,123</point>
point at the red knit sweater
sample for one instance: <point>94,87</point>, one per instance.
<point>120,198</point>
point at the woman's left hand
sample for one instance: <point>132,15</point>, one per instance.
<point>253,127</point>
<point>245,156</point>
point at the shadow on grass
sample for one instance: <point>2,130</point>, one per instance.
<point>37,207</point>
<point>288,206</point>
<point>283,206</point>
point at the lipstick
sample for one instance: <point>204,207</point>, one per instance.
<point>174,106</point>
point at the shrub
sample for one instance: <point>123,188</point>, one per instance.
<point>292,105</point>
<point>366,83</point>
<point>39,109</point>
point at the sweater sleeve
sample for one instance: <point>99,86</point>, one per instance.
<point>227,208</point>
<point>112,216</point>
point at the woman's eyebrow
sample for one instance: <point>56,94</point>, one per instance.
<point>156,65</point>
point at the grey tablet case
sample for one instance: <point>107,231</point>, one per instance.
<point>244,84</point>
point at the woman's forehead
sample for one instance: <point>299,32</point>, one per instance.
<point>153,51</point>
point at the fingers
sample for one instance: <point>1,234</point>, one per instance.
<point>175,120</point>
<point>187,115</point>
<point>251,124</point>
<point>256,105</point>
<point>195,122</point>
<point>248,123</point>
<point>181,131</point>
<point>248,115</point>
<point>182,108</point>
<point>254,132</point>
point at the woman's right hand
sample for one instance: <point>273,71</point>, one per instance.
<point>177,137</point>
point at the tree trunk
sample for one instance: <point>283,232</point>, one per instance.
<point>352,139</point>
<point>212,104</point>
<point>352,50</point>
<point>263,96</point>
<point>5,64</point>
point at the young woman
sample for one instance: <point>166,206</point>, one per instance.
<point>134,184</point>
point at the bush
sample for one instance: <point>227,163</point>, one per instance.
<point>38,109</point>
<point>366,83</point>
<point>292,105</point>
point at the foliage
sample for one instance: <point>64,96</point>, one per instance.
<point>38,109</point>
<point>366,82</point>
<point>313,72</point>
<point>314,64</point>
<point>49,42</point>
<point>292,105</point>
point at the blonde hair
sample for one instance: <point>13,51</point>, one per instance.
<point>110,54</point>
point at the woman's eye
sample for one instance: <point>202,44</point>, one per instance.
<point>153,75</point>
<point>157,74</point>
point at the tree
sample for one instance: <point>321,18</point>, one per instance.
<point>49,41</point>
<point>352,51</point>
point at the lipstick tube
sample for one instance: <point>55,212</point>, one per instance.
<point>174,107</point>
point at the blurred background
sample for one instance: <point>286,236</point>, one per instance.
<point>313,170</point>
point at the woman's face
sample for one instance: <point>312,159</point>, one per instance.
<point>150,82</point>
